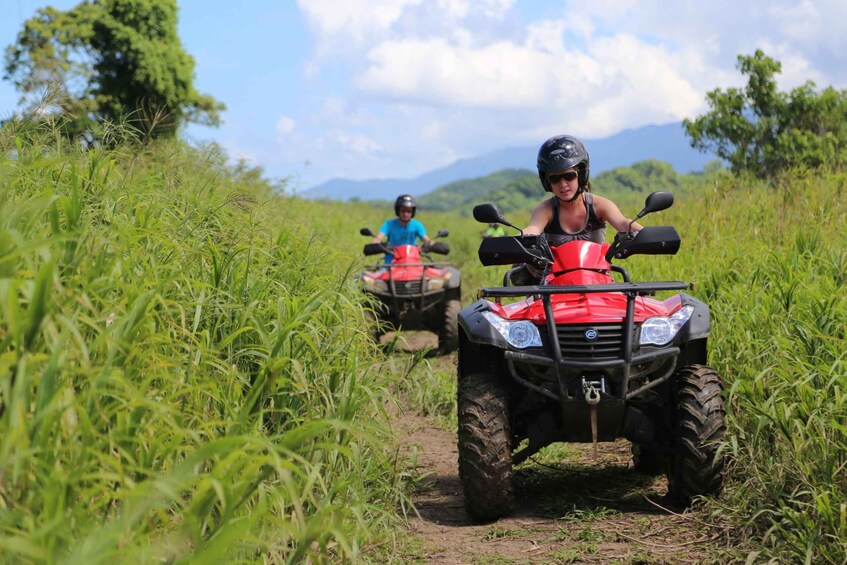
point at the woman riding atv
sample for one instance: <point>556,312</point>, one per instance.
<point>573,212</point>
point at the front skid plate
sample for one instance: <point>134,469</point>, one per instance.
<point>576,420</point>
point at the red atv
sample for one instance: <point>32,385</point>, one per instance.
<point>582,358</point>
<point>413,292</point>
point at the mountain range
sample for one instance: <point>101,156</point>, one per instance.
<point>667,143</point>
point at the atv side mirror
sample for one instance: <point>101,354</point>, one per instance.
<point>489,213</point>
<point>442,233</point>
<point>367,232</point>
<point>656,202</point>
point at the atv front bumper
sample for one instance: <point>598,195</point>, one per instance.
<point>558,370</point>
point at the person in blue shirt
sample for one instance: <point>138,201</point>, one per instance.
<point>404,229</point>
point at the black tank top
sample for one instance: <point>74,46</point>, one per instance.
<point>593,230</point>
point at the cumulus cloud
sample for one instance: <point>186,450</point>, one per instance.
<point>618,73</point>
<point>355,19</point>
<point>460,77</point>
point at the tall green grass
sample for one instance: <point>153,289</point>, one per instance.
<point>184,374</point>
<point>181,376</point>
<point>776,285</point>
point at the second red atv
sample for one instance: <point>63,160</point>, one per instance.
<point>414,292</point>
<point>582,358</point>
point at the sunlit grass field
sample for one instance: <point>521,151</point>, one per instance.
<point>184,371</point>
<point>183,368</point>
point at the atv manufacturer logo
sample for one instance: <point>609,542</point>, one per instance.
<point>591,334</point>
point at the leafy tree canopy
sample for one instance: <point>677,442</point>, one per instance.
<point>762,131</point>
<point>109,60</point>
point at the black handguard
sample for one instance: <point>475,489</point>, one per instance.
<point>651,240</point>
<point>377,249</point>
<point>437,247</point>
<point>509,250</point>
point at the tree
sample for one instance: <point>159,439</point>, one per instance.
<point>762,131</point>
<point>114,60</point>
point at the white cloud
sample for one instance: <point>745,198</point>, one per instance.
<point>457,10</point>
<point>619,79</point>
<point>437,71</point>
<point>359,144</point>
<point>285,125</point>
<point>436,81</point>
<point>432,130</point>
<point>352,18</point>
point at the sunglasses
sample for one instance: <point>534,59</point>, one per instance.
<point>566,176</point>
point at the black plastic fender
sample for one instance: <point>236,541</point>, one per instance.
<point>479,330</point>
<point>698,325</point>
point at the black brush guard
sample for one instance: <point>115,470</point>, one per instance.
<point>626,358</point>
<point>614,411</point>
<point>424,300</point>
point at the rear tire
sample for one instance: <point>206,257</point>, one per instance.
<point>696,467</point>
<point>448,334</point>
<point>485,455</point>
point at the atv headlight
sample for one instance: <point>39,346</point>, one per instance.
<point>374,284</point>
<point>438,283</point>
<point>661,330</point>
<point>520,334</point>
<point>435,284</point>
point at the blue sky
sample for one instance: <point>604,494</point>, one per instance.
<point>320,89</point>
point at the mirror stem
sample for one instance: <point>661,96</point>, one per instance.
<point>505,223</point>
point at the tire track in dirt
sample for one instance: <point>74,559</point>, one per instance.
<point>570,508</point>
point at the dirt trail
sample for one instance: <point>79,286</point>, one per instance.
<point>571,508</point>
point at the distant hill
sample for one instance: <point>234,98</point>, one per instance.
<point>520,189</point>
<point>456,195</point>
<point>666,143</point>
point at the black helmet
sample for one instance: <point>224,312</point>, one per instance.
<point>405,201</point>
<point>559,153</point>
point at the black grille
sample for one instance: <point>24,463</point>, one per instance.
<point>574,343</point>
<point>407,288</point>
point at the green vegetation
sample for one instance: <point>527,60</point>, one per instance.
<point>761,131</point>
<point>455,196</point>
<point>517,190</point>
<point>181,373</point>
<point>648,176</point>
<point>184,370</point>
<point>112,61</point>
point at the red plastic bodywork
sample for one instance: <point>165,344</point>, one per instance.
<point>584,263</point>
<point>407,266</point>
